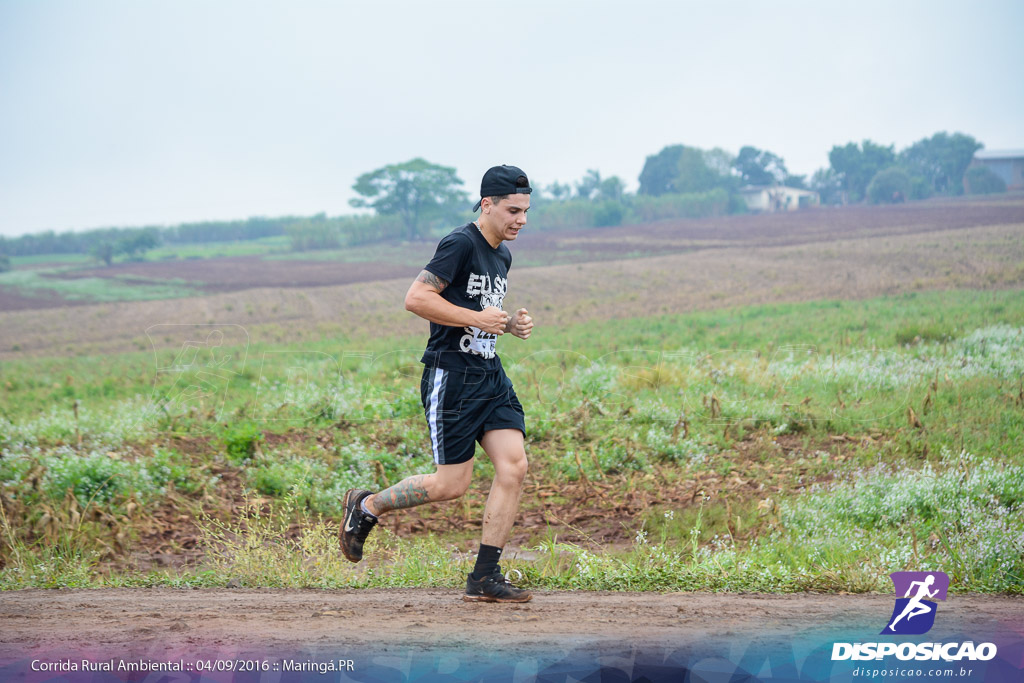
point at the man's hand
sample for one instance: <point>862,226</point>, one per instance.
<point>493,320</point>
<point>521,324</point>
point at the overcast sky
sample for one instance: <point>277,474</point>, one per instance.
<point>139,113</point>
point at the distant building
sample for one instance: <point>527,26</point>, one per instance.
<point>771,198</point>
<point>1007,164</point>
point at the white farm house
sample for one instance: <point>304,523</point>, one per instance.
<point>771,198</point>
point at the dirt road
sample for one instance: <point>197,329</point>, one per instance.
<point>365,625</point>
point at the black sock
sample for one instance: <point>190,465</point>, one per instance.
<point>486,561</point>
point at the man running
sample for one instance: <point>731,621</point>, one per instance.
<point>466,396</point>
<point>915,607</point>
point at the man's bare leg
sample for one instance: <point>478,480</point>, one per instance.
<point>361,507</point>
<point>486,584</point>
<point>505,449</point>
<point>447,483</point>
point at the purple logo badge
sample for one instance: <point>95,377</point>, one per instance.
<point>914,613</point>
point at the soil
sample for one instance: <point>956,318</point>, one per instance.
<point>807,226</point>
<point>238,273</point>
<point>229,274</point>
<point>132,622</point>
<point>14,300</point>
<point>855,266</point>
<point>602,513</point>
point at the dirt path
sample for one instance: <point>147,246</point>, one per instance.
<point>431,618</point>
<point>431,635</point>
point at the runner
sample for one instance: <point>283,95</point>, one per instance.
<point>466,396</point>
<point>916,607</point>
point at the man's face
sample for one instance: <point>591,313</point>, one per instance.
<point>509,215</point>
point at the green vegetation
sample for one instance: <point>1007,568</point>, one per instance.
<point>793,447</point>
<point>262,246</point>
<point>417,192</point>
<point>931,166</point>
<point>37,259</point>
<point>117,288</point>
<point>982,180</point>
<point>417,199</point>
<point>321,232</point>
<point>941,161</point>
<point>133,240</point>
<point>889,186</point>
<point>631,209</point>
<point>241,441</point>
<point>856,165</point>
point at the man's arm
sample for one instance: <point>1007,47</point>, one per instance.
<point>425,300</point>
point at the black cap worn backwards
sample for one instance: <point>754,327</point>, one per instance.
<point>503,180</point>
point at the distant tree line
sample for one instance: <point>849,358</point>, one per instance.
<point>415,199</point>
<point>106,243</point>
<point>683,181</point>
<point>103,243</point>
<point>937,165</point>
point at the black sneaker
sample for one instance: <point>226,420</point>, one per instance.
<point>494,588</point>
<point>355,526</point>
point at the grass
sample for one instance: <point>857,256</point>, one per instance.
<point>413,255</point>
<point>94,289</point>
<point>20,261</point>
<point>210,250</point>
<point>878,451</point>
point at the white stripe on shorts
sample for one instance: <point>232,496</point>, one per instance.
<point>436,398</point>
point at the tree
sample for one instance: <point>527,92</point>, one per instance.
<point>758,167</point>
<point>694,173</point>
<point>593,187</point>
<point>609,213</point>
<point>590,185</point>
<point>719,161</point>
<point>660,171</point>
<point>416,191</point>
<point>829,186</point>
<point>5,262</point>
<point>137,243</point>
<point>680,169</point>
<point>857,165</point>
<point>942,160</point>
<point>983,180</point>
<point>612,189</point>
<point>792,180</point>
<point>889,186</point>
<point>559,191</point>
<point>103,251</point>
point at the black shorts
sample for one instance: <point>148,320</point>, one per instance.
<point>461,405</point>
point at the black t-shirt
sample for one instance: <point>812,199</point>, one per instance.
<point>477,277</point>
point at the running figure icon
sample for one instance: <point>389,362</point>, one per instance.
<point>916,607</point>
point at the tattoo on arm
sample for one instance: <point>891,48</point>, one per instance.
<point>407,493</point>
<point>428,278</point>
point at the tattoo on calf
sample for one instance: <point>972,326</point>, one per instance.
<point>405,494</point>
<point>428,278</point>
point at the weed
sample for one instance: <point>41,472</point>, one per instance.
<point>240,441</point>
<point>639,423</point>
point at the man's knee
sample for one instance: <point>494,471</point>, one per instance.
<point>450,490</point>
<point>513,469</point>
<point>451,485</point>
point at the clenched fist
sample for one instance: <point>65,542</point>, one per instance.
<point>493,320</point>
<point>521,324</point>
